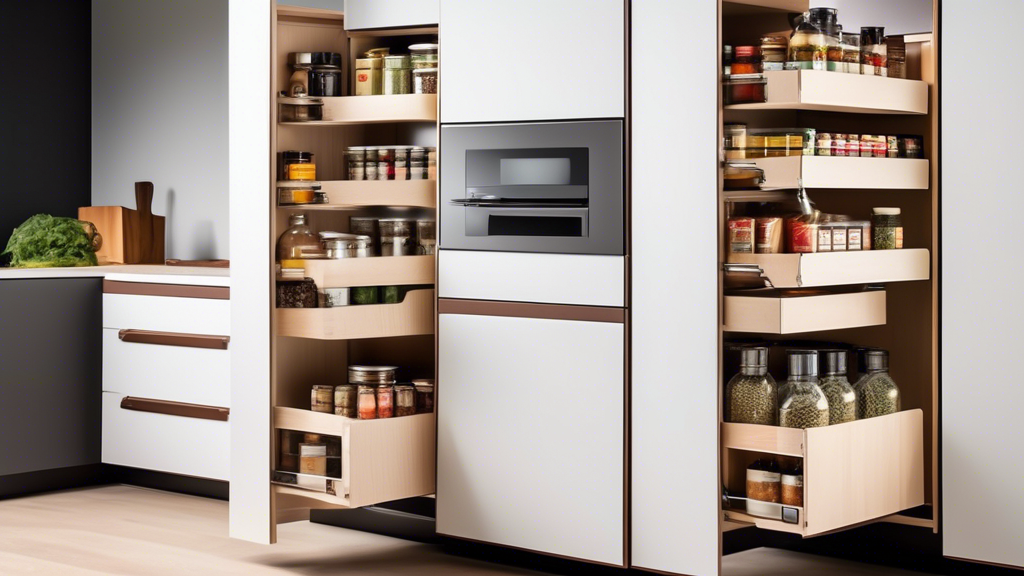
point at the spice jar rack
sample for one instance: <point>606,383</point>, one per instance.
<point>840,172</point>
<point>345,110</point>
<point>833,92</point>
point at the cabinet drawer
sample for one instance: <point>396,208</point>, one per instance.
<point>167,314</point>
<point>178,373</point>
<point>163,442</point>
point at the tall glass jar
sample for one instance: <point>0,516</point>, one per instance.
<point>385,400</point>
<point>346,400</point>
<point>298,241</point>
<point>397,237</point>
<point>356,159</point>
<point>877,393</point>
<point>873,53</point>
<point>397,77</point>
<point>842,400</point>
<point>850,43</point>
<point>385,163</point>
<point>808,47</point>
<point>888,228</point>
<point>423,55</point>
<point>367,402</point>
<point>405,400</point>
<point>802,404</point>
<point>826,20</point>
<point>752,397</point>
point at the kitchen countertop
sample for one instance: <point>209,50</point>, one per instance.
<point>151,273</point>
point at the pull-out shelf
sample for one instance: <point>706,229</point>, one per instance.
<point>840,268</point>
<point>853,473</point>
<point>378,271</point>
<point>341,110</point>
<point>768,312</point>
<point>839,92</point>
<point>413,316</point>
<point>843,172</point>
<point>353,194</point>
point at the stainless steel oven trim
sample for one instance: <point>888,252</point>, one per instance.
<point>605,219</point>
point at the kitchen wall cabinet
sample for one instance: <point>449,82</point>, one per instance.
<point>364,14</point>
<point>532,60</point>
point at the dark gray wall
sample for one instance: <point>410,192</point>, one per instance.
<point>50,373</point>
<point>44,110</point>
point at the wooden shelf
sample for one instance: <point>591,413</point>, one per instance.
<point>798,314</point>
<point>839,92</point>
<point>344,110</point>
<point>840,268</point>
<point>844,172</point>
<point>853,473</point>
<point>352,194</point>
<point>766,523</point>
<point>378,271</point>
<point>412,317</point>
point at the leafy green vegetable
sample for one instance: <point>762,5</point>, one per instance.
<point>45,241</point>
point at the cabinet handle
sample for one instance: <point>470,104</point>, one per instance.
<point>175,339</point>
<point>175,408</point>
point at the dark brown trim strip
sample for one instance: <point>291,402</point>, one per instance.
<point>172,290</point>
<point>524,310</point>
<point>175,408</point>
<point>175,339</point>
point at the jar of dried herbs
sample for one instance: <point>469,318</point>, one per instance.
<point>346,400</point>
<point>877,393</point>
<point>405,400</point>
<point>842,400</point>
<point>802,404</point>
<point>397,68</point>
<point>752,397</point>
<point>888,228</point>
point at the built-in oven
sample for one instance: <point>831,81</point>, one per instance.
<point>553,187</point>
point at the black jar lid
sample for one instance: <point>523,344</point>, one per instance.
<point>803,362</point>
<point>754,357</point>
<point>833,361</point>
<point>325,59</point>
<point>297,155</point>
<point>872,35</point>
<point>876,360</point>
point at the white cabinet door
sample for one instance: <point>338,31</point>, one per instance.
<point>364,14</point>
<point>529,60</point>
<point>530,434</point>
<point>982,504</point>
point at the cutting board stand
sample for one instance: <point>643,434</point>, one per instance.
<point>129,236</point>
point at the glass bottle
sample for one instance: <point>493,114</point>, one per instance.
<point>298,240</point>
<point>367,402</point>
<point>808,48</point>
<point>826,20</point>
<point>842,400</point>
<point>802,403</point>
<point>752,397</point>
<point>873,54</point>
<point>877,393</point>
<point>385,400</point>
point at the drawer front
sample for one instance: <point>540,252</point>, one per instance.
<point>165,443</point>
<point>178,373</point>
<point>167,314</point>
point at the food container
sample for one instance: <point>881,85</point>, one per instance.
<point>300,109</point>
<point>297,293</point>
<point>361,295</point>
<point>369,76</point>
<point>358,374</point>
<point>747,61</point>
<point>887,225</point>
<point>773,52</point>
<point>738,176</point>
<point>775,142</point>
<point>808,47</point>
<point>823,146</point>
<point>405,400</point>
<point>313,459</point>
<point>873,146</point>
<point>744,89</point>
<point>892,147</point>
<point>734,141</point>
<point>768,235</point>
<point>423,56</point>
<point>346,401</point>
<point>334,297</point>
<point>366,402</point>
<point>910,146</point>
<point>417,163</point>
<point>355,157</point>
<point>397,237</point>
<point>377,52</point>
<point>873,58</point>
<point>297,193</point>
<point>896,57</point>
<point>322,399</point>
<point>338,245</point>
<point>764,481</point>
<point>401,162</point>
<point>741,235</point>
<point>385,400</point>
<point>385,163</point>
<point>393,294</point>
<point>802,404</point>
<point>810,140</point>
<point>289,157</point>
<point>371,162</point>
<point>298,241</point>
<point>431,163</point>
<point>300,62</point>
<point>397,74</point>
<point>877,393</point>
<point>850,43</point>
<point>858,235</point>
<point>842,400</point>
<point>752,396</point>
<point>424,395</point>
<point>802,234</point>
<point>793,488</point>
<point>426,237</point>
<point>424,81</point>
<point>368,227</point>
<point>325,80</point>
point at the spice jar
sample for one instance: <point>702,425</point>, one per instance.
<point>850,43</point>
<point>298,241</point>
<point>764,481</point>
<point>748,60</point>
<point>426,237</point>
<point>345,400</point>
<point>363,226</point>
<point>397,237</point>
<point>297,293</point>
<point>313,459</point>
<point>873,60</point>
<point>290,157</point>
<point>385,400</point>
<point>296,192</point>
<point>362,295</point>
<point>300,109</point>
<point>301,63</point>
<point>423,56</point>
<point>322,399</point>
<point>417,163</point>
<point>367,402</point>
<point>424,395</point>
<point>385,163</point>
<point>424,81</point>
<point>358,374</point>
<point>396,74</point>
<point>405,400</point>
<point>877,393</point>
<point>896,57</point>
<point>773,52</point>
<point>402,163</point>
<point>369,76</point>
<point>793,487</point>
<point>808,47</point>
<point>842,400</point>
<point>752,396</point>
<point>355,156</point>
<point>325,80</point>
<point>339,245</point>
<point>888,228</point>
<point>727,58</point>
<point>802,404</point>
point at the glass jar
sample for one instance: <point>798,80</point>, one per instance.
<point>405,400</point>
<point>808,47</point>
<point>296,192</point>
<point>873,58</point>
<point>423,56</point>
<point>367,402</point>
<point>877,393</point>
<point>355,156</point>
<point>752,397</point>
<point>322,399</point>
<point>764,481</point>
<point>289,157</point>
<point>363,226</point>
<point>362,295</point>
<point>358,374</point>
<point>748,60</point>
<point>417,163</point>
<point>842,400</point>
<point>338,245</point>
<point>773,52</point>
<point>793,486</point>
<point>313,459</point>
<point>325,80</point>
<point>402,163</point>
<point>426,237</point>
<point>424,395</point>
<point>431,163</point>
<point>424,81</point>
<point>397,237</point>
<point>385,400</point>
<point>850,43</point>
<point>297,294</point>
<point>371,164</point>
<point>888,228</point>
<point>727,58</point>
<point>298,241</point>
<point>385,163</point>
<point>826,20</point>
<point>346,400</point>
<point>734,141</point>
<point>397,74</point>
<point>896,57</point>
<point>802,404</point>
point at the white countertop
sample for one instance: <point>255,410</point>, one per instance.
<point>151,273</point>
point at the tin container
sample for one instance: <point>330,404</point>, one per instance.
<point>297,193</point>
<point>358,374</point>
<point>300,109</point>
<point>744,89</point>
<point>338,245</point>
<point>322,399</point>
<point>346,400</point>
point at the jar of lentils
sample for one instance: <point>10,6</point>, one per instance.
<point>842,400</point>
<point>802,404</point>
<point>397,74</point>
<point>877,393</point>
<point>888,228</point>
<point>752,397</point>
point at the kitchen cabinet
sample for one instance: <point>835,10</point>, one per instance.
<point>531,434</point>
<point>532,60</point>
<point>363,14</point>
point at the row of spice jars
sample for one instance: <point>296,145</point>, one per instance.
<point>380,72</point>
<point>296,291</point>
<point>391,162</point>
<point>372,392</point>
<point>815,232</point>
<point>396,236</point>
<point>804,400</point>
<point>308,453</point>
<point>767,481</point>
<point>315,74</point>
<point>393,236</point>
<point>741,143</point>
<point>867,145</point>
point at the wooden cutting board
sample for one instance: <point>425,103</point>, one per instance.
<point>129,236</point>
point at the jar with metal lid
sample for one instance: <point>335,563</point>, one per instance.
<point>405,400</point>
<point>322,399</point>
<point>300,109</point>
<point>402,163</point>
<point>297,192</point>
<point>877,393</point>
<point>842,400</point>
<point>355,157</point>
<point>850,43</point>
<point>298,241</point>
<point>747,61</point>
<point>313,459</point>
<point>372,158</point>
<point>346,400</point>
<point>369,76</point>
<point>873,55</point>
<point>397,69</point>
<point>366,402</point>
<point>802,404</point>
<point>289,157</point>
<point>888,228</point>
<point>417,163</point>
<point>424,81</point>
<point>808,47</point>
<point>363,226</point>
<point>773,52</point>
<point>385,163</point>
<point>338,245</point>
<point>752,397</point>
<point>358,374</point>
<point>426,237</point>
<point>385,400</point>
<point>424,395</point>
<point>423,55</point>
<point>397,237</point>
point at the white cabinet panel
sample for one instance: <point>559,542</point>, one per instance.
<point>982,504</point>
<point>363,14</point>
<point>530,434</point>
<point>167,314</point>
<point>515,60</point>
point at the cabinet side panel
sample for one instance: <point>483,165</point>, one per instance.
<point>674,303</point>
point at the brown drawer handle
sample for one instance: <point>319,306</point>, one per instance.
<point>175,339</point>
<point>175,408</point>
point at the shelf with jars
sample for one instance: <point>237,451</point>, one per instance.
<point>818,269</point>
<point>826,91</point>
<point>413,315</point>
<point>351,194</point>
<point>345,110</point>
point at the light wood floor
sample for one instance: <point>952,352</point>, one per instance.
<point>134,531</point>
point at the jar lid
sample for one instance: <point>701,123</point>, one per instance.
<point>312,450</point>
<point>326,68</point>
<point>346,240</point>
<point>300,58</point>
<point>833,361</point>
<point>300,101</point>
<point>742,51</point>
<point>377,52</point>
<point>876,360</point>
<point>355,149</point>
<point>371,374</point>
<point>424,71</point>
<point>296,155</point>
<point>754,357</point>
<point>371,63</point>
<point>886,211</point>
<point>299,184</point>
<point>803,363</point>
<point>423,47</point>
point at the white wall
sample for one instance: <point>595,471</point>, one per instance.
<point>898,16</point>
<point>159,113</point>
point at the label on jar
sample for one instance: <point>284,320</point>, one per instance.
<point>763,476</point>
<point>838,239</point>
<point>899,237</point>
<point>803,237</point>
<point>824,239</point>
<point>853,238</point>
<point>741,235</point>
